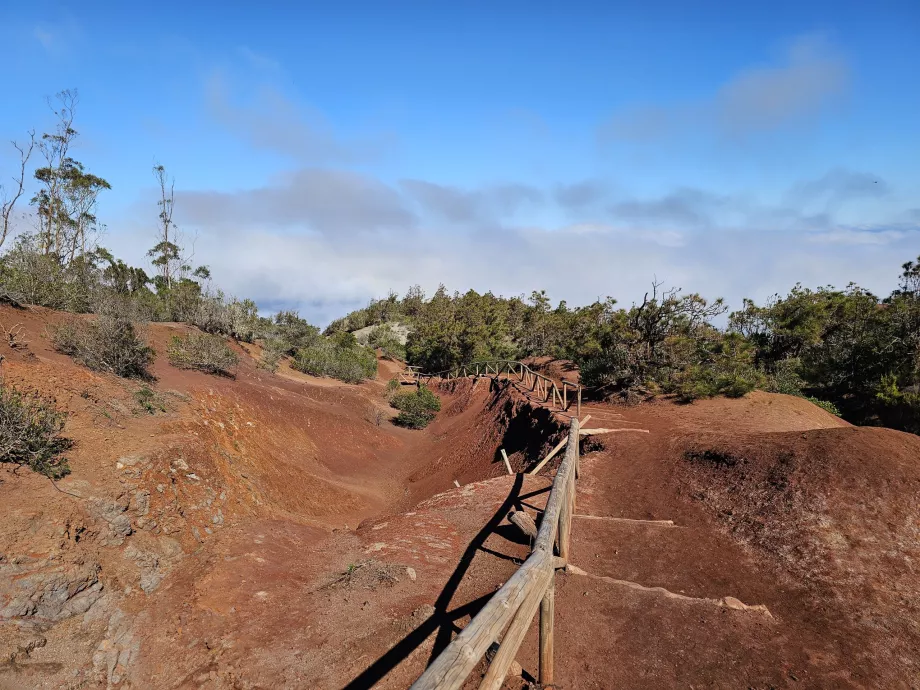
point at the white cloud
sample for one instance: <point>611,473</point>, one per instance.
<point>269,120</point>
<point>808,78</point>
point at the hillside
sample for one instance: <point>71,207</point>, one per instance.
<point>266,531</point>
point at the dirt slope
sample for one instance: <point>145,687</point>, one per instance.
<point>265,531</point>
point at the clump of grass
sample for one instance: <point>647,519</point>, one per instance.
<point>207,353</point>
<point>108,343</point>
<point>30,432</point>
<point>148,400</point>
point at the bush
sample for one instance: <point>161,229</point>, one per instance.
<point>385,338</point>
<point>271,356</point>
<point>344,360</point>
<point>30,432</point>
<point>390,390</point>
<point>416,409</point>
<point>207,353</point>
<point>785,377</point>
<point>148,400</point>
<point>824,405</point>
<point>108,344</point>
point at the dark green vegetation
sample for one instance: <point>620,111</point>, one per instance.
<point>339,356</point>
<point>846,350</point>
<point>207,353</point>
<point>417,408</point>
<point>30,432</point>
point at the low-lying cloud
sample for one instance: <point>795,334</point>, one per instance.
<point>326,241</point>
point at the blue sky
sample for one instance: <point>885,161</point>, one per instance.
<point>326,153</point>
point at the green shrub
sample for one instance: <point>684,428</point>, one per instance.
<point>785,377</point>
<point>342,359</point>
<point>416,408</point>
<point>391,388</point>
<point>824,405</point>
<point>271,356</point>
<point>108,344</point>
<point>207,353</point>
<point>30,432</point>
<point>148,400</point>
<point>385,338</point>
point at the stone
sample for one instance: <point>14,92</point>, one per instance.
<point>411,573</point>
<point>140,502</point>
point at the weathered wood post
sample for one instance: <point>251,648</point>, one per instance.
<point>578,408</point>
<point>547,613</point>
<point>565,517</point>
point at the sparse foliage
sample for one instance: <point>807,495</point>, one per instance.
<point>30,432</point>
<point>204,352</point>
<point>107,343</point>
<point>8,200</point>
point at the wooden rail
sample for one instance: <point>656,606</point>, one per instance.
<point>512,608</point>
<point>410,375</point>
<point>543,386</point>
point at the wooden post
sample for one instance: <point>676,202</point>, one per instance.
<point>565,396</point>
<point>565,518</point>
<point>511,642</point>
<point>578,407</point>
<point>505,458</point>
<point>524,523</point>
<point>547,613</point>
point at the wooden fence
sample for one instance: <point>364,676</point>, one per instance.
<point>512,608</point>
<point>541,385</point>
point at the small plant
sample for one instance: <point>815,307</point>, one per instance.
<point>207,353</point>
<point>375,415</point>
<point>107,344</point>
<point>148,400</point>
<point>390,390</point>
<point>15,336</point>
<point>416,409</point>
<point>30,432</point>
<point>825,405</point>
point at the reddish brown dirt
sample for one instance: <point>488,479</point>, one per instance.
<point>266,532</point>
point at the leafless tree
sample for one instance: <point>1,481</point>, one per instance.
<point>8,202</point>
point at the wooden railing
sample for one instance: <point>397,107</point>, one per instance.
<point>410,375</point>
<point>512,608</point>
<point>537,383</point>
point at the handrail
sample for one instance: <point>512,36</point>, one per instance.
<point>514,605</point>
<point>536,382</point>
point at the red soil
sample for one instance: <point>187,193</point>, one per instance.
<point>267,532</point>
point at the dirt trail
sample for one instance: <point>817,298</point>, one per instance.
<point>266,531</point>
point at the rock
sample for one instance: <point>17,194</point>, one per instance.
<point>51,594</point>
<point>113,656</point>
<point>516,670</point>
<point>113,514</point>
<point>140,502</point>
<point>411,573</point>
